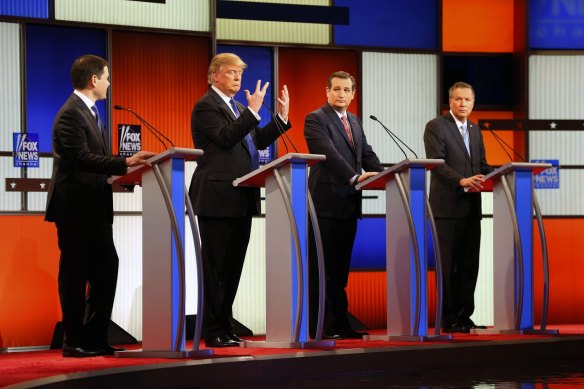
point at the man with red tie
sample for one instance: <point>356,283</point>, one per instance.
<point>337,133</point>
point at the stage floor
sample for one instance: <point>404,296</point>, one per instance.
<point>351,363</point>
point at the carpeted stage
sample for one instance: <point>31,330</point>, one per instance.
<point>249,366</point>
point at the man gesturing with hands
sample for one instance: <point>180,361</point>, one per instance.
<point>229,135</point>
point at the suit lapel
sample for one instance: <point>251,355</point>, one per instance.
<point>455,133</point>
<point>228,113</point>
<point>92,122</point>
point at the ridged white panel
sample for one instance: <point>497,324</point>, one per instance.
<point>400,90</point>
<point>127,312</point>
<point>483,313</point>
<point>567,200</point>
<point>37,201</point>
<point>176,14</point>
<point>556,91</point>
<point>9,201</point>
<point>250,304</point>
<point>282,32</point>
<point>10,81</point>
<point>373,202</point>
<point>128,201</point>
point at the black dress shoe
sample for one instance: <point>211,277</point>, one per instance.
<point>456,328</point>
<point>471,324</point>
<point>110,350</point>
<point>221,341</point>
<point>332,335</point>
<point>352,334</point>
<point>234,337</point>
<point>80,352</point>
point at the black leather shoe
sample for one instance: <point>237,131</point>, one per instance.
<point>471,324</point>
<point>332,335</point>
<point>352,334</point>
<point>80,352</point>
<point>110,350</point>
<point>456,328</point>
<point>235,338</point>
<point>221,341</point>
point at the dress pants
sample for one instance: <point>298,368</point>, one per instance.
<point>88,273</point>
<point>460,241</point>
<point>224,244</point>
<point>338,237</point>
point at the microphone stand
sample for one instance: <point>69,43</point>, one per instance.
<point>148,126</point>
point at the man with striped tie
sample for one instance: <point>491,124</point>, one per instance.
<point>229,135</point>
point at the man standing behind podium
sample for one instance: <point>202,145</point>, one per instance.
<point>80,202</point>
<point>456,203</point>
<point>333,131</point>
<point>229,135</point>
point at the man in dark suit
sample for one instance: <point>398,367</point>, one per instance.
<point>229,134</point>
<point>80,202</point>
<point>333,131</point>
<point>456,203</point>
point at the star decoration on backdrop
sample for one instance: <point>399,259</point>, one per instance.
<point>553,125</point>
<point>43,185</point>
<point>13,184</point>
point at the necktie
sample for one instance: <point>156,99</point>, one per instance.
<point>253,152</point>
<point>97,118</point>
<point>465,137</point>
<point>347,129</point>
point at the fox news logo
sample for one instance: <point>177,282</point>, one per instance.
<point>129,139</point>
<point>549,178</point>
<point>26,149</point>
<point>265,155</point>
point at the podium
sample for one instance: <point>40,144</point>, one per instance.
<point>164,197</point>
<point>514,202</point>
<point>288,206</point>
<point>407,210</point>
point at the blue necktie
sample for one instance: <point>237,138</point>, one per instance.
<point>465,137</point>
<point>253,152</point>
<point>97,118</point>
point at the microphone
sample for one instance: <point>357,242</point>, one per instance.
<point>280,129</point>
<point>501,141</point>
<point>148,126</point>
<point>395,138</point>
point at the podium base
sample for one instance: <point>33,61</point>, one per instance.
<point>271,344</point>
<point>163,354</point>
<point>408,338</point>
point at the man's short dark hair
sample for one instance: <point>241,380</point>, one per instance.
<point>461,85</point>
<point>343,76</point>
<point>84,68</point>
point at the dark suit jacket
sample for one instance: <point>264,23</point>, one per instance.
<point>79,192</point>
<point>329,180</point>
<point>443,140</point>
<point>222,137</point>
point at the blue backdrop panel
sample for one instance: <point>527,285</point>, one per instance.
<point>369,247</point>
<point>556,25</point>
<point>260,66</point>
<point>25,8</point>
<point>396,24</point>
<point>50,51</point>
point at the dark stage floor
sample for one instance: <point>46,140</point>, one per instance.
<point>467,361</point>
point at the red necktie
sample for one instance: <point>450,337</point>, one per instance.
<point>347,129</point>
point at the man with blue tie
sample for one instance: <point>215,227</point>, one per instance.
<point>229,135</point>
<point>456,203</point>
<point>80,202</point>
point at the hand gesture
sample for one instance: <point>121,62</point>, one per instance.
<point>140,158</point>
<point>284,101</point>
<point>255,101</point>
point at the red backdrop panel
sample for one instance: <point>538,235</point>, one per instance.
<point>29,264</point>
<point>160,77</point>
<point>305,72</point>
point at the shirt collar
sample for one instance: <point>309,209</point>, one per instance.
<point>85,99</point>
<point>458,122</point>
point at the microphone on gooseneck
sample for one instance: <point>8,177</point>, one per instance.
<point>395,138</point>
<point>280,129</point>
<point>501,141</point>
<point>148,126</point>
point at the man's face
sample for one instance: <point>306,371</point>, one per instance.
<point>340,94</point>
<point>101,85</point>
<point>228,79</point>
<point>461,103</point>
